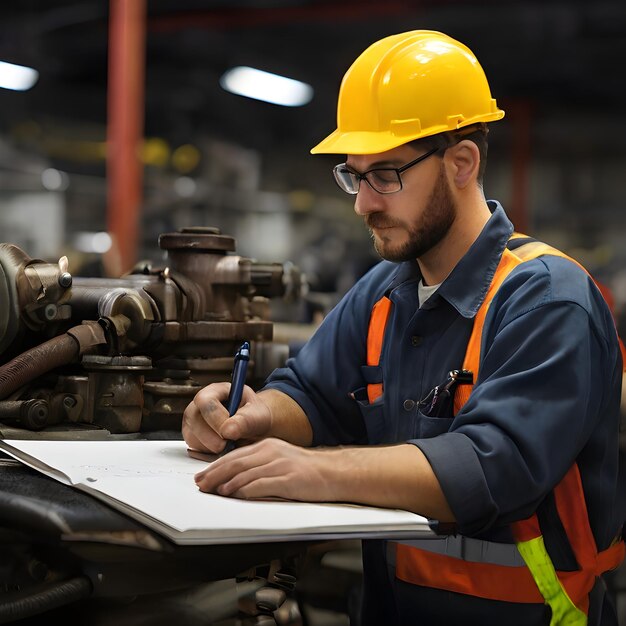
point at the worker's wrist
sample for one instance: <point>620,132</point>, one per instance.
<point>287,420</point>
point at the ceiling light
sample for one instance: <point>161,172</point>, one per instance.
<point>17,77</point>
<point>54,180</point>
<point>90,242</point>
<point>260,85</point>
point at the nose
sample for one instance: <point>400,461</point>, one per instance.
<point>367,200</point>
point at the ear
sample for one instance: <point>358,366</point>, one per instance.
<point>464,161</point>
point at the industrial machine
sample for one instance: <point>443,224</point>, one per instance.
<point>126,355</point>
<point>85,358</point>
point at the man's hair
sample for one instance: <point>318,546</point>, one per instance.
<point>476,133</point>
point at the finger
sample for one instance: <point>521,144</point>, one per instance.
<point>269,487</point>
<point>210,401</point>
<point>217,473</point>
<point>277,469</point>
<point>262,459</point>
<point>197,433</point>
<point>227,467</point>
<point>243,479</point>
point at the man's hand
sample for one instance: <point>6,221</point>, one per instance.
<point>396,476</point>
<point>270,468</point>
<point>207,425</point>
<point>269,413</point>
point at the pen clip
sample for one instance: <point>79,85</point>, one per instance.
<point>460,377</point>
<point>437,401</point>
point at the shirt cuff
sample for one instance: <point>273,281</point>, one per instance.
<point>462,480</point>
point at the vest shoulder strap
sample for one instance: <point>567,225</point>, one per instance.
<point>375,337</point>
<point>520,249</point>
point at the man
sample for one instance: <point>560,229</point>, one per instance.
<point>473,376</point>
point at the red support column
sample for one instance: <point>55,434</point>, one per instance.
<point>519,112</point>
<point>125,104</point>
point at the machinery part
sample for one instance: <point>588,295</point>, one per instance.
<point>54,353</point>
<point>200,252</point>
<point>32,293</point>
<point>35,362</point>
<point>31,414</point>
<point>172,328</point>
<point>129,312</point>
<point>165,402</point>
<point>11,258</point>
<point>269,599</point>
<point>115,391</point>
<point>405,87</point>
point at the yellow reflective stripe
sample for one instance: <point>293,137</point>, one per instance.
<point>534,249</point>
<point>517,235</point>
<point>564,611</point>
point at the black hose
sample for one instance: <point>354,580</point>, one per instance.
<point>33,363</point>
<point>54,596</point>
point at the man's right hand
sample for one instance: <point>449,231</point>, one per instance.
<point>206,424</point>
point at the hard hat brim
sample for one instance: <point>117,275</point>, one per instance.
<point>357,142</point>
<point>369,142</point>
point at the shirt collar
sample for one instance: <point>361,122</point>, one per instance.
<point>466,286</point>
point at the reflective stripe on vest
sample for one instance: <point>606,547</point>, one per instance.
<point>467,549</point>
<point>375,336</point>
<point>470,566</point>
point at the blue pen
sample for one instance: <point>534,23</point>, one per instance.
<point>236,386</point>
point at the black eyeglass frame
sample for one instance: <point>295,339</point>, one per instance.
<point>397,170</point>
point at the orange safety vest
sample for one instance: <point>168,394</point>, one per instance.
<point>487,569</point>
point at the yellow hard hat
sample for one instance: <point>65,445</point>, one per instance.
<point>408,86</point>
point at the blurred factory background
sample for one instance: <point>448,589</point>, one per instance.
<point>112,76</point>
<point>212,158</point>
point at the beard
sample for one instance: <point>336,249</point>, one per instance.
<point>425,232</point>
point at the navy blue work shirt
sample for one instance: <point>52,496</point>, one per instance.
<point>548,393</point>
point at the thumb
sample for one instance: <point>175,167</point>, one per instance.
<point>251,421</point>
<point>231,429</point>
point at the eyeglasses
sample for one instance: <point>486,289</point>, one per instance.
<point>382,179</point>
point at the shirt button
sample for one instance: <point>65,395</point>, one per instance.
<point>409,405</point>
<point>416,340</point>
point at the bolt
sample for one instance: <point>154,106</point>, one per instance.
<point>37,570</point>
<point>69,402</point>
<point>50,311</point>
<point>65,279</point>
<point>35,413</point>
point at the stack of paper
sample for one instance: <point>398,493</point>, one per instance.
<point>152,482</point>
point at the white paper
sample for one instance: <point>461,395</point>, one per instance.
<point>152,481</point>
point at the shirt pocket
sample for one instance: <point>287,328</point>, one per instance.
<point>373,412</point>
<point>428,427</point>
